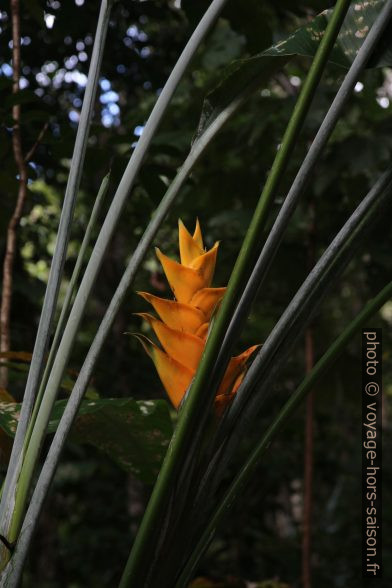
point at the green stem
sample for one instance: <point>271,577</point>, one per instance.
<point>56,270</point>
<point>195,408</point>
<point>68,299</point>
<point>239,482</point>
<point>95,261</point>
<point>14,571</point>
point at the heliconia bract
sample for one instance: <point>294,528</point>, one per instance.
<point>183,323</point>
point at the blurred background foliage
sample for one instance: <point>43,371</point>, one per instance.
<point>94,508</point>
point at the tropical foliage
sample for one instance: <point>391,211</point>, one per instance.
<point>245,96</point>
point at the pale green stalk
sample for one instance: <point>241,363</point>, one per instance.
<point>195,409</point>
<point>68,297</point>
<point>56,270</point>
<point>244,475</point>
<point>298,186</point>
<point>258,382</point>
<point>15,567</point>
<point>94,264</point>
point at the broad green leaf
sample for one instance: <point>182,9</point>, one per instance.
<point>259,68</point>
<point>359,20</point>
<point>134,434</point>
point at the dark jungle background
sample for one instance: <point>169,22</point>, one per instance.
<point>94,507</point>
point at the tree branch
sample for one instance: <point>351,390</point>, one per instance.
<point>41,135</point>
<point>10,250</point>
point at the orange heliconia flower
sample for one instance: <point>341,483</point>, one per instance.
<point>183,323</point>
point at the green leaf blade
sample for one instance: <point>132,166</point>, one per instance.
<point>134,434</point>
<point>259,68</point>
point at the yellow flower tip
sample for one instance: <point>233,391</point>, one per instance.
<point>197,235</point>
<point>204,265</point>
<point>189,247</point>
<point>184,281</point>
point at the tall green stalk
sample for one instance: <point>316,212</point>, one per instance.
<point>68,297</point>
<point>94,264</point>
<point>258,382</point>
<point>195,408</point>
<point>299,184</point>
<point>30,521</point>
<point>298,313</point>
<point>56,270</point>
<point>274,238</point>
<point>242,478</point>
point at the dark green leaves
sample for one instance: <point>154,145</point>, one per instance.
<point>357,24</point>
<point>239,77</point>
<point>135,434</point>
<point>258,69</point>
